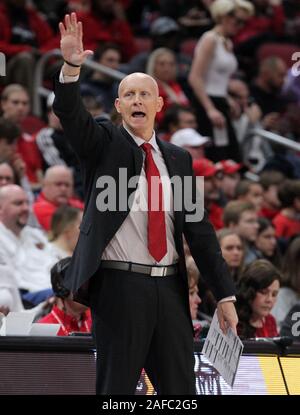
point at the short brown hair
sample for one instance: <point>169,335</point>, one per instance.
<point>270,178</point>
<point>233,211</point>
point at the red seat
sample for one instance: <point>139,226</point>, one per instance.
<point>281,50</point>
<point>188,46</point>
<point>143,44</point>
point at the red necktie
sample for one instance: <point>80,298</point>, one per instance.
<point>157,239</point>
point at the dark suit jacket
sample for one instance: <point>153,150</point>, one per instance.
<point>102,149</point>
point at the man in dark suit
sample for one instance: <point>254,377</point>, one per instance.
<point>129,263</point>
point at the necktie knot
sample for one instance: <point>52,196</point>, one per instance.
<point>147,148</point>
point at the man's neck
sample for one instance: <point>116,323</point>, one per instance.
<point>144,135</point>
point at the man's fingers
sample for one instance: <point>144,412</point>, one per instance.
<point>68,22</point>
<point>233,328</point>
<point>79,32</point>
<point>221,321</point>
<point>62,29</point>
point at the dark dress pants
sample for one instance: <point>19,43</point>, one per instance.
<point>142,322</point>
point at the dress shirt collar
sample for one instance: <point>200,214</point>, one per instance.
<point>139,141</point>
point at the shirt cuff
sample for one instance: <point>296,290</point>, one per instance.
<point>65,79</point>
<point>224,300</point>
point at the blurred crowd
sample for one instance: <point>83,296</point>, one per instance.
<point>226,69</point>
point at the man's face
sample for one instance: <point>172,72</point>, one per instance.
<point>240,92</point>
<point>58,188</point>
<point>277,76</point>
<point>16,107</point>
<point>138,103</point>
<point>14,209</point>
<point>229,183</point>
<point>248,226</point>
<point>6,175</point>
<point>211,192</point>
<point>187,120</point>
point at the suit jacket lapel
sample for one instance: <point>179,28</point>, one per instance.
<point>137,152</point>
<point>169,157</point>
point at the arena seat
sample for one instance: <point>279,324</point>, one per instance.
<point>282,50</point>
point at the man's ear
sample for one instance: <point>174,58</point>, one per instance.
<point>117,105</point>
<point>160,104</point>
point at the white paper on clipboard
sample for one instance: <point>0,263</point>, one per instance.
<point>223,351</point>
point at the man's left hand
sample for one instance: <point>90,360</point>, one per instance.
<point>227,316</point>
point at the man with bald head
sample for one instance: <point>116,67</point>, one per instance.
<point>128,264</point>
<point>24,252</point>
<point>57,190</point>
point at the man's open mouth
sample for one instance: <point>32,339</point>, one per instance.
<point>138,114</point>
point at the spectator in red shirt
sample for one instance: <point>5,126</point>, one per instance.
<point>228,182</point>
<point>24,34</point>
<point>257,291</point>
<point>57,191</point>
<point>267,22</point>
<point>287,222</point>
<point>15,106</point>
<point>207,169</point>
<point>270,181</point>
<point>106,22</point>
<point>72,316</point>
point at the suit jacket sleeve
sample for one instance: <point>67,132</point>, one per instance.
<point>205,249</point>
<point>85,135</point>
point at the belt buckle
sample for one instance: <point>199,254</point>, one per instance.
<point>158,271</point>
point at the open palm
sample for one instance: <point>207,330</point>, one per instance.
<point>71,40</point>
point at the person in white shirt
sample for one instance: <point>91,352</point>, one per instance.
<point>25,258</point>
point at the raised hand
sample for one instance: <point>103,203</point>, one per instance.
<point>71,41</point>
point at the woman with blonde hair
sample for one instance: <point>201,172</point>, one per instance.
<point>162,66</point>
<point>213,64</point>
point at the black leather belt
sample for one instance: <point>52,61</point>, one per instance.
<point>152,271</point>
